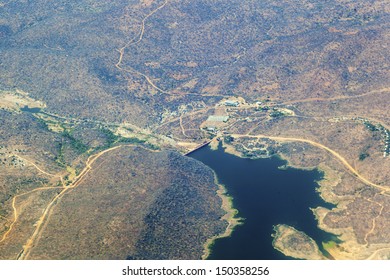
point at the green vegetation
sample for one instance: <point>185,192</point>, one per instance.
<point>370,126</point>
<point>86,88</point>
<point>264,108</point>
<point>152,146</point>
<point>384,132</point>
<point>43,124</point>
<point>60,157</point>
<point>276,114</point>
<point>68,141</point>
<point>362,156</point>
<point>131,140</point>
<point>67,180</point>
<point>75,143</point>
<point>111,138</point>
<point>3,212</point>
<point>228,139</point>
<point>329,245</point>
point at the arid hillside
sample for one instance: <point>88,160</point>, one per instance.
<point>99,100</point>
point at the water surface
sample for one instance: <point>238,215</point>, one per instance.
<point>265,195</point>
<point>30,110</point>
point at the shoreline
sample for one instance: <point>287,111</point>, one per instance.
<point>327,179</point>
<point>230,216</point>
<point>324,183</point>
<point>295,243</point>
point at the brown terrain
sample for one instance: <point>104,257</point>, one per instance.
<point>98,98</point>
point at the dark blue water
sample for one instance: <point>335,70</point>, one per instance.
<point>264,195</point>
<point>30,110</point>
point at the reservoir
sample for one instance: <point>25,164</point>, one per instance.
<point>264,195</point>
<point>30,110</point>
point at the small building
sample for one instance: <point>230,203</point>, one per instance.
<point>232,103</point>
<point>211,129</point>
<point>216,118</point>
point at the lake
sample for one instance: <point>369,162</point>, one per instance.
<point>265,195</point>
<point>30,110</point>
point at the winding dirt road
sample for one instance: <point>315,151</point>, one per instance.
<point>30,242</point>
<point>134,41</point>
<point>46,213</point>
